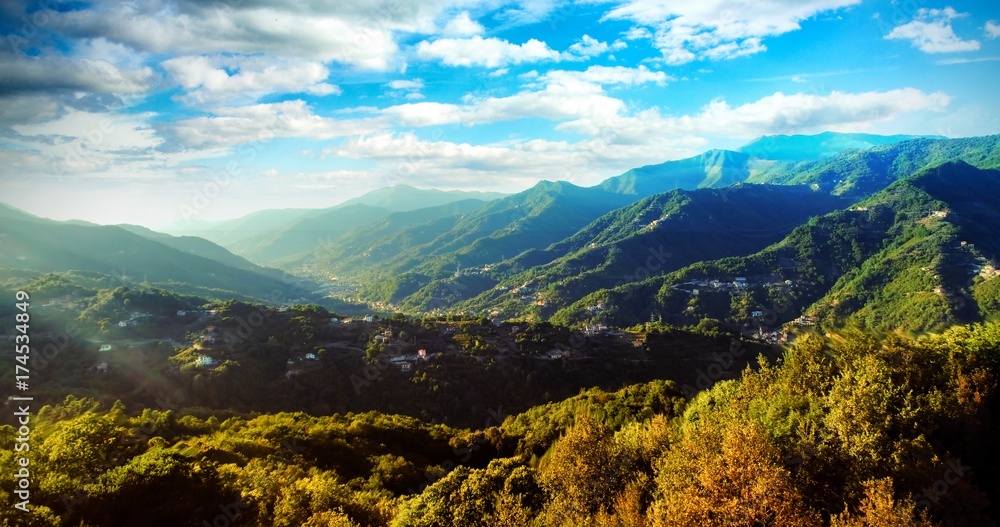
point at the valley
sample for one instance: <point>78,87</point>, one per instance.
<point>412,346</point>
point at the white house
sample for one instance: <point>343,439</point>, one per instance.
<point>205,360</point>
<point>105,347</point>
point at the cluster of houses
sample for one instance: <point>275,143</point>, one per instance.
<point>349,320</point>
<point>406,362</point>
<point>596,308</point>
<point>65,301</point>
<point>555,354</point>
<point>739,283</point>
<point>135,319</point>
<point>805,321</point>
<point>300,359</point>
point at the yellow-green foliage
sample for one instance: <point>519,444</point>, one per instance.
<point>844,431</point>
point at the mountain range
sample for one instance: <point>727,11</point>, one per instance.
<point>882,231</point>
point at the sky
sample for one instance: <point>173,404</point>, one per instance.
<point>156,111</point>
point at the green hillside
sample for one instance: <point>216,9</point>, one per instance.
<point>857,174</point>
<point>533,219</point>
<point>893,261</point>
<point>652,237</point>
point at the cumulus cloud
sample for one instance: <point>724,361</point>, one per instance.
<point>462,26</point>
<point>577,101</point>
<point>407,88</point>
<point>931,32</point>
<point>223,78</point>
<point>716,29</point>
<point>775,114</point>
<point>992,29</point>
<point>510,165</point>
<point>495,52</point>
<point>261,122</point>
<point>487,52</point>
<point>558,95</point>
<point>607,75</point>
<point>587,47</point>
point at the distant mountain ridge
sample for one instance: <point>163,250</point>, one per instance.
<point>404,198</point>
<point>713,169</point>
<point>819,146</point>
<point>556,250</point>
<point>270,236</point>
<point>51,246</point>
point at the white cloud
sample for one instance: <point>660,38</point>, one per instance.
<point>931,32</point>
<point>208,79</point>
<point>587,47</point>
<point>948,62</point>
<point>415,84</point>
<point>463,26</point>
<point>607,75</point>
<point>992,29</point>
<point>89,145</point>
<point>409,89</point>
<point>558,95</point>
<point>775,114</point>
<point>494,52</point>
<point>261,122</point>
<point>717,29</point>
<point>510,165</point>
<point>488,52</point>
<point>638,33</point>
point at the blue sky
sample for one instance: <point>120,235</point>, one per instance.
<point>150,112</point>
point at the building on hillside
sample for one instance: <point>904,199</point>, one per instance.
<point>105,347</point>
